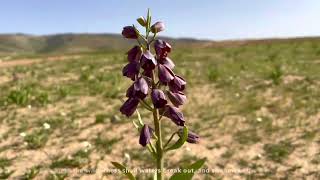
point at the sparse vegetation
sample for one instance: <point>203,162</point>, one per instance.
<point>278,152</point>
<point>255,104</point>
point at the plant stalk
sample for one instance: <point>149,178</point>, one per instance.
<point>159,146</point>
<point>156,119</point>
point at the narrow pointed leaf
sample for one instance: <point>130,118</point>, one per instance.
<point>149,18</point>
<point>188,172</point>
<point>124,170</point>
<point>140,119</point>
<point>138,123</point>
<point>180,141</point>
<point>135,124</point>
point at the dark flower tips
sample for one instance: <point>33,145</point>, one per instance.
<point>162,48</point>
<point>145,135</point>
<point>129,32</point>
<point>148,62</point>
<point>177,84</point>
<point>131,70</point>
<point>177,98</point>
<point>174,114</point>
<point>165,74</point>
<point>140,88</point>
<point>129,106</point>
<point>158,98</point>
<point>168,62</point>
<point>134,54</point>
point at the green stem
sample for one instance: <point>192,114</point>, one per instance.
<point>159,147</point>
<point>146,105</point>
<point>167,143</point>
<point>156,119</point>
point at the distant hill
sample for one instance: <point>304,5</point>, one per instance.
<point>72,43</point>
<point>16,44</point>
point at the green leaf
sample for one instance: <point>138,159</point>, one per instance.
<point>180,141</point>
<point>140,119</point>
<point>188,172</point>
<point>124,170</point>
<point>138,125</point>
<point>148,18</point>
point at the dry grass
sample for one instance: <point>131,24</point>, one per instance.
<point>256,108</point>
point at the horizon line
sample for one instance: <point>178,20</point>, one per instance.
<point>170,37</point>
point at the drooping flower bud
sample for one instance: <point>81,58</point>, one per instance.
<point>148,62</point>
<point>177,84</point>
<point>129,32</point>
<point>142,21</point>
<point>145,135</point>
<point>193,138</point>
<point>174,114</point>
<point>134,54</point>
<point>165,74</point>
<point>129,106</point>
<point>177,98</point>
<point>162,48</point>
<point>168,62</point>
<point>131,70</point>
<point>158,98</point>
<point>140,88</point>
<point>157,27</point>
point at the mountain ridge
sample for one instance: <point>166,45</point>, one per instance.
<point>19,43</point>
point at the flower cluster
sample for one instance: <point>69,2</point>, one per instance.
<point>142,64</point>
<point>151,71</point>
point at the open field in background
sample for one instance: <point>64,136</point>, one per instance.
<point>255,105</point>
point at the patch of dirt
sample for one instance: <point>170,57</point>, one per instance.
<point>292,78</point>
<point>25,62</point>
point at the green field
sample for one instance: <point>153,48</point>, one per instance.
<point>255,105</point>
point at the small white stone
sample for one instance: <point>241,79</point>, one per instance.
<point>259,119</point>
<point>86,144</point>
<point>23,134</point>
<point>46,126</point>
<point>127,156</point>
<point>63,113</point>
<point>29,106</point>
<point>237,95</point>
<point>188,149</point>
<point>259,156</point>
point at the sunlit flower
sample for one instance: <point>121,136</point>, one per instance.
<point>157,27</point>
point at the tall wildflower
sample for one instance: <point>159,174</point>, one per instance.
<point>153,78</point>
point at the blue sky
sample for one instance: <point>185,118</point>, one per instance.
<point>205,19</point>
